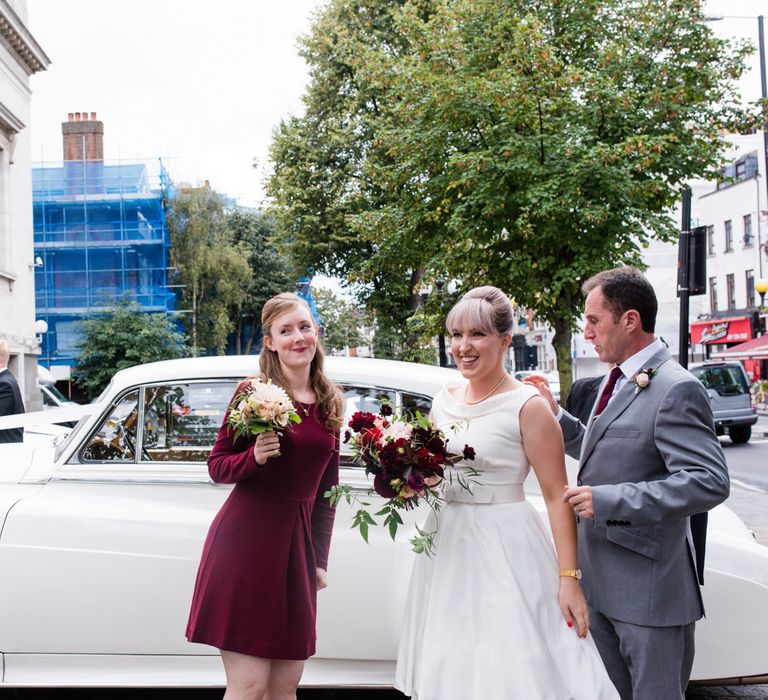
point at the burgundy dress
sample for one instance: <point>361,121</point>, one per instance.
<point>256,591</point>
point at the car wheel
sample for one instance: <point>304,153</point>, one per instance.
<point>740,433</point>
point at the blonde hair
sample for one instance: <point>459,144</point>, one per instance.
<point>329,401</point>
<point>485,309</point>
<point>5,353</point>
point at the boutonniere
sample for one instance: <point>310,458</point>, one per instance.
<point>643,378</point>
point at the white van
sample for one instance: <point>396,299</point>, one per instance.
<point>52,397</point>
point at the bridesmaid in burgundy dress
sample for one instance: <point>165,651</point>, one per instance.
<point>266,553</point>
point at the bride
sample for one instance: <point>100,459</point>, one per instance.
<point>498,613</point>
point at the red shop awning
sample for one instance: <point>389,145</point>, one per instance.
<point>721,331</point>
<point>755,349</point>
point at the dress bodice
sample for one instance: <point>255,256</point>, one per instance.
<point>492,429</point>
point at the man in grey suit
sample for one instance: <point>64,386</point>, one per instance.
<point>649,460</point>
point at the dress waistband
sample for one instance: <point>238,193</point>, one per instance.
<point>484,494</point>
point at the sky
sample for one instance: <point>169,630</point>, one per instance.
<point>202,84</point>
<point>199,84</point>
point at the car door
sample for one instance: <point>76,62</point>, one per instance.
<point>102,560</point>
<point>359,613</point>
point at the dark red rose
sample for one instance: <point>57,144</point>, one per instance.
<point>468,452</point>
<point>416,481</point>
<point>382,487</point>
<point>347,436</point>
<point>360,420</point>
<point>436,444</point>
<point>385,409</point>
<point>369,437</point>
<point>390,456</point>
<point>424,459</point>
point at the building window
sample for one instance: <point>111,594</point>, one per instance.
<point>713,294</point>
<point>728,236</point>
<point>750,278</point>
<point>748,230</point>
<point>710,240</point>
<point>730,287</point>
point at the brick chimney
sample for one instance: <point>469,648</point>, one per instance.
<point>83,137</point>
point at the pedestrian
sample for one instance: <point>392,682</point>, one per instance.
<point>266,554</point>
<point>649,460</point>
<point>10,396</point>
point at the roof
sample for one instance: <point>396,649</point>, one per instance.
<point>419,378</point>
<point>755,349</point>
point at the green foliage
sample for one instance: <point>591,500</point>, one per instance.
<point>270,272</point>
<point>341,320</point>
<point>319,182</point>
<point>212,268</point>
<point>526,144</point>
<point>122,336</point>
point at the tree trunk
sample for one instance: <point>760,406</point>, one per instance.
<point>562,345</point>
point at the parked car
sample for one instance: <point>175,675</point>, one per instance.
<point>552,376</point>
<point>728,387</point>
<point>102,533</point>
<point>52,397</point>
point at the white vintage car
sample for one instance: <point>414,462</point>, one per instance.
<point>102,532</point>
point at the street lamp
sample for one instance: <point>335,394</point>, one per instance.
<point>761,287</point>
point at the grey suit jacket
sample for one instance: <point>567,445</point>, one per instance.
<point>653,460</point>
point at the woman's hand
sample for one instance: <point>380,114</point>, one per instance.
<point>267,445</point>
<point>321,577</point>
<point>573,605</point>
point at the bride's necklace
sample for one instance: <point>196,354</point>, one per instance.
<point>490,393</point>
<point>304,408</point>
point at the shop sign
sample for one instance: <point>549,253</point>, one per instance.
<point>721,332</point>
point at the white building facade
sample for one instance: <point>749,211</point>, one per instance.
<point>735,213</point>
<point>20,58</point>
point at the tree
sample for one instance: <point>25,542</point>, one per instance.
<point>531,144</point>
<point>213,270</point>
<point>319,182</point>
<point>122,336</point>
<point>270,272</point>
<point>341,320</point>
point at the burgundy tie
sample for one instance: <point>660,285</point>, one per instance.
<point>608,390</point>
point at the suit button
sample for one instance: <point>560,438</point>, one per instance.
<point>578,482</point>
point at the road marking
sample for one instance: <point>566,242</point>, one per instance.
<point>746,487</point>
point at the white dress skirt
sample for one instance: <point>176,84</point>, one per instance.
<point>482,621</point>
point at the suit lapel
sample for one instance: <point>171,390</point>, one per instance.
<point>616,406</point>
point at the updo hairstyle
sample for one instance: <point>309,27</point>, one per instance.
<point>485,309</point>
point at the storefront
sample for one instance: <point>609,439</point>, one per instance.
<point>721,334</point>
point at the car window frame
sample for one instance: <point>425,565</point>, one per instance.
<point>76,468</point>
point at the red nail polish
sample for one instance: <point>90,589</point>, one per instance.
<point>570,624</point>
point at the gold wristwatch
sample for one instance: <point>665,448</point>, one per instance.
<point>573,573</point>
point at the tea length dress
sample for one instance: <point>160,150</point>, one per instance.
<point>482,621</point>
<point>256,590</point>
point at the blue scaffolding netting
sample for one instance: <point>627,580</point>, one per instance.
<point>101,236</point>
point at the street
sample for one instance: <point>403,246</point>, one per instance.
<point>749,499</point>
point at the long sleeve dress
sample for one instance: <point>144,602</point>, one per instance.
<point>256,590</point>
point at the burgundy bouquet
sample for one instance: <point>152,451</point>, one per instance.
<point>407,456</point>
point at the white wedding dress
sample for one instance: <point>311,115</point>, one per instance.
<point>482,621</point>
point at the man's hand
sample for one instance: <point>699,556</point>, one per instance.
<point>542,385</point>
<point>580,499</point>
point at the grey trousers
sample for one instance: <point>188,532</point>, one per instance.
<point>644,663</point>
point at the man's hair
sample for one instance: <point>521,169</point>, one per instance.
<point>626,288</point>
<point>5,353</point>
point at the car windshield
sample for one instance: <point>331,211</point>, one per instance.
<point>726,380</point>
